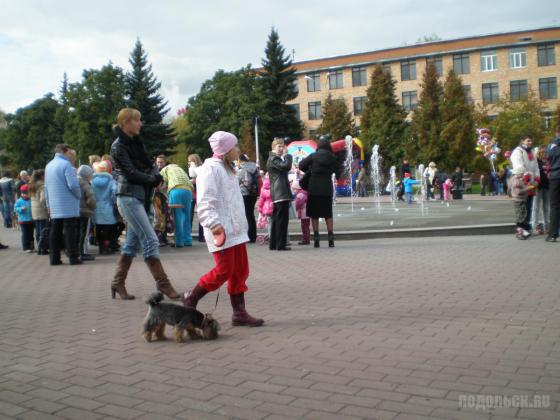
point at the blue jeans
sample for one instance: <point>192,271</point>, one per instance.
<point>408,197</point>
<point>7,211</point>
<point>139,230</point>
<point>40,224</point>
<point>182,216</point>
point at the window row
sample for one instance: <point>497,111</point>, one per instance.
<point>548,89</point>
<point>461,65</point>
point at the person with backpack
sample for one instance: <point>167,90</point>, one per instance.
<point>249,180</point>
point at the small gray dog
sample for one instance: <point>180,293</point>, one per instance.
<point>182,319</point>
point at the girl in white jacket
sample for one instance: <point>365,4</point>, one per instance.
<point>221,213</point>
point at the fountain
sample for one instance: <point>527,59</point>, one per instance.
<point>349,163</point>
<point>376,176</point>
<point>392,184</point>
<point>422,191</point>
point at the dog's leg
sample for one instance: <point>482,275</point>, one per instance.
<point>193,332</point>
<point>179,334</point>
<point>160,331</point>
<point>147,335</point>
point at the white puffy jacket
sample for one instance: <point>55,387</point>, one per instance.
<point>219,202</point>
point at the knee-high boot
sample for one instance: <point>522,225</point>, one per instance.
<point>191,298</point>
<point>162,281</point>
<point>240,314</point>
<point>117,285</point>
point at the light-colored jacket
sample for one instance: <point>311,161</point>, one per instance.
<point>62,188</point>
<point>39,209</point>
<point>104,188</point>
<point>220,202</point>
<point>87,201</point>
<point>174,176</point>
<point>520,158</point>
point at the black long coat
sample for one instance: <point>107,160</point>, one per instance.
<point>322,164</point>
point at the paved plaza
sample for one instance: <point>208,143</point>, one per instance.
<point>463,327</point>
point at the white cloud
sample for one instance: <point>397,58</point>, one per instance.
<point>187,41</point>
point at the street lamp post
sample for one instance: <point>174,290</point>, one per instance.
<point>257,141</point>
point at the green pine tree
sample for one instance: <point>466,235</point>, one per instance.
<point>277,82</point>
<point>143,94</point>
<point>426,121</point>
<point>337,120</point>
<point>458,128</point>
<point>383,121</point>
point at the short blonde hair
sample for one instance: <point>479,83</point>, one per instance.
<point>94,158</point>
<point>127,114</point>
<point>277,141</point>
<point>195,158</point>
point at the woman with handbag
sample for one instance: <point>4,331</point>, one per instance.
<point>137,178</point>
<point>321,164</point>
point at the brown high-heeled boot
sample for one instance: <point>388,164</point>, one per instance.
<point>240,314</point>
<point>162,281</point>
<point>117,285</point>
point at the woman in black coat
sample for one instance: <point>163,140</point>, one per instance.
<point>322,164</point>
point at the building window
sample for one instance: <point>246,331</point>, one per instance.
<point>468,94</point>
<point>545,53</point>
<point>461,64</point>
<point>314,110</point>
<point>387,68</point>
<point>295,86</point>
<point>490,93</point>
<point>359,103</point>
<point>359,76</point>
<point>335,79</point>
<point>488,61</point>
<point>295,107</point>
<point>409,100</point>
<point>518,89</point>
<point>437,62</point>
<point>517,58</point>
<point>408,70</point>
<point>547,88</point>
<point>313,82</point>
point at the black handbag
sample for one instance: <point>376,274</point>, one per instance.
<point>304,181</point>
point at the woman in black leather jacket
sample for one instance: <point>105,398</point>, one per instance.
<point>322,164</point>
<point>137,177</point>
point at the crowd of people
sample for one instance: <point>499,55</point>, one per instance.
<point>62,207</point>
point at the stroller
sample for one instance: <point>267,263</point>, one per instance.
<point>262,225</point>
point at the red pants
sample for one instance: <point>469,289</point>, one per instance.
<point>232,265</point>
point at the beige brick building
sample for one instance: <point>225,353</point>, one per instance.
<point>490,66</point>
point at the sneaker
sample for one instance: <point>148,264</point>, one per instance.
<point>2,246</point>
<point>550,239</point>
<point>526,233</point>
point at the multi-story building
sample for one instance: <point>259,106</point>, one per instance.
<point>489,65</point>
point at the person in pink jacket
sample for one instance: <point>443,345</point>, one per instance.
<point>265,206</point>
<point>221,212</point>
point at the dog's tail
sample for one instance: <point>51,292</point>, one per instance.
<point>154,299</point>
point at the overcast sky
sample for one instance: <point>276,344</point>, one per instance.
<point>187,41</point>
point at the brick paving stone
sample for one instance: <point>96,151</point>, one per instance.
<point>38,415</point>
<point>397,341</point>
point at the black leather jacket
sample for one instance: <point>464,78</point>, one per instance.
<point>136,174</point>
<point>278,174</point>
<point>322,164</point>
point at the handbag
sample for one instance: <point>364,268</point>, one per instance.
<point>304,181</point>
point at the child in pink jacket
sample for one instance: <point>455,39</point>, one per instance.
<point>301,206</point>
<point>265,206</point>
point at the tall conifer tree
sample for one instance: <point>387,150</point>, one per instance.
<point>383,120</point>
<point>458,128</point>
<point>337,120</point>
<point>142,89</point>
<point>426,121</point>
<point>278,81</point>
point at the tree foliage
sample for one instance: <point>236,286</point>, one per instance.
<point>458,128</point>
<point>426,121</point>
<point>337,120</point>
<point>278,86</point>
<point>31,134</point>
<point>226,102</point>
<point>518,119</point>
<point>384,120</point>
<point>89,109</point>
<point>142,90</point>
